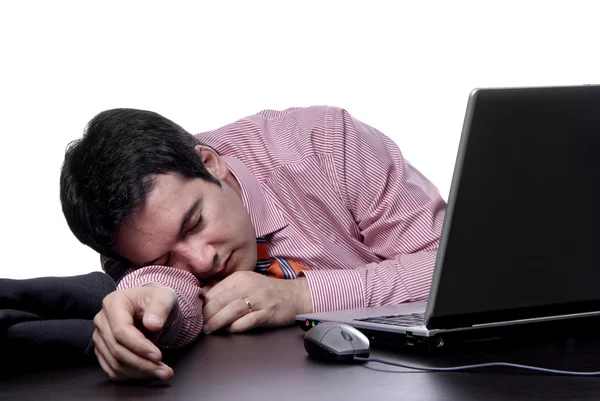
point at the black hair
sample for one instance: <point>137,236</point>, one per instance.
<point>108,172</point>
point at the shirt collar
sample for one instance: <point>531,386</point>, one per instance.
<point>264,214</point>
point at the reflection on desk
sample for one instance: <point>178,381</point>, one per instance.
<point>273,364</point>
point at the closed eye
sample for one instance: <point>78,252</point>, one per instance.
<point>196,226</point>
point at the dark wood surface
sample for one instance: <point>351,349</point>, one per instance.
<point>273,365</point>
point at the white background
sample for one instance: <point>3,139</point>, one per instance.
<point>404,67</point>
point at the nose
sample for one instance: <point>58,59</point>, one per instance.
<point>196,258</point>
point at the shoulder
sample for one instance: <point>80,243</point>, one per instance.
<point>286,134</point>
<point>311,114</point>
<point>271,139</point>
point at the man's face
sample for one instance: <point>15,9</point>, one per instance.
<point>192,224</point>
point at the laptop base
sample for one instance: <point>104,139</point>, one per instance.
<point>587,326</point>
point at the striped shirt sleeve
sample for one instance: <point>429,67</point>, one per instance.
<point>188,322</point>
<point>399,214</point>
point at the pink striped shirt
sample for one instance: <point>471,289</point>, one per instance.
<point>332,193</point>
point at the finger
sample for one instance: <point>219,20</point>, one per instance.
<point>227,315</point>
<point>159,306</point>
<point>102,361</point>
<point>115,348</point>
<point>124,364</point>
<point>117,318</point>
<point>106,368</point>
<point>107,361</point>
<point>123,361</point>
<point>228,284</point>
<point>218,302</point>
<point>111,366</point>
<point>248,321</point>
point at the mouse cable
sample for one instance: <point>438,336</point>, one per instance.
<point>478,366</point>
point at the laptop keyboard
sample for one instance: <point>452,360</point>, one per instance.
<point>406,320</point>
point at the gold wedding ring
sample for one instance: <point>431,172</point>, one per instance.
<point>249,304</point>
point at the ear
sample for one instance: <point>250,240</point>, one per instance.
<point>213,162</point>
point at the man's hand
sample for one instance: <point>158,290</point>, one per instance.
<point>122,350</point>
<point>275,302</point>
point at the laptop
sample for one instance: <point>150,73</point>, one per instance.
<point>519,248</point>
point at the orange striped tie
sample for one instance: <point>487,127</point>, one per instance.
<point>275,267</point>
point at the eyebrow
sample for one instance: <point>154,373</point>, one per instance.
<point>184,222</point>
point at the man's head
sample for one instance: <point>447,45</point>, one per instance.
<point>139,188</point>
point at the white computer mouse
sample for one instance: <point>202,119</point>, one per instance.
<point>336,342</point>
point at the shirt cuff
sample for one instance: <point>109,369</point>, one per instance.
<point>188,323</point>
<point>335,289</point>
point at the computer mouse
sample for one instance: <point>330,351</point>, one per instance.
<point>336,342</point>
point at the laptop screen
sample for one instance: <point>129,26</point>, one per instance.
<point>522,233</point>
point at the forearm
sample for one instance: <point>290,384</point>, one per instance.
<point>303,296</point>
<point>398,212</point>
<point>406,278</point>
<point>188,320</point>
